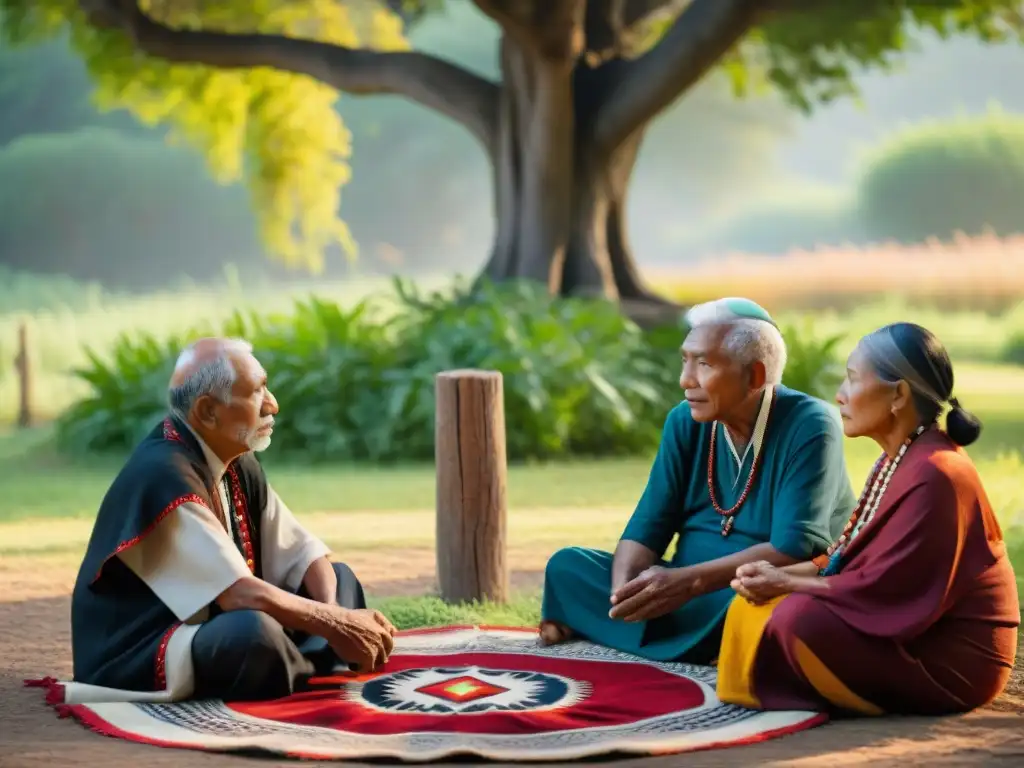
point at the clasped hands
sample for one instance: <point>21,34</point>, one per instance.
<point>759,582</point>
<point>658,590</point>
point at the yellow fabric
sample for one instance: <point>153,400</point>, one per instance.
<point>744,625</point>
<point>827,684</point>
<point>741,637</point>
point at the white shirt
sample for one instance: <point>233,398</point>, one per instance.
<point>756,438</point>
<point>189,559</point>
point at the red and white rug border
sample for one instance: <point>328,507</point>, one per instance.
<point>83,713</point>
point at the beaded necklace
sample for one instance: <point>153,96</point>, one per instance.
<point>729,515</point>
<point>868,504</point>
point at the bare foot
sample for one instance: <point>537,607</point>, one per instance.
<point>553,633</point>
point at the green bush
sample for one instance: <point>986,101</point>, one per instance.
<point>940,178</point>
<point>128,212</point>
<point>1013,349</point>
<point>358,384</point>
<point>813,365</point>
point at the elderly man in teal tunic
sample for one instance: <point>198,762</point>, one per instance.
<point>747,470</point>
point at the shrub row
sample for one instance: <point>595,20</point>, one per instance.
<point>357,384</point>
<point>932,180</point>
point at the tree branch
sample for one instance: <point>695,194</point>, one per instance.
<point>465,97</point>
<point>610,25</point>
<point>642,88</point>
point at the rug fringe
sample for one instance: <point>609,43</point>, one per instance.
<point>54,691</point>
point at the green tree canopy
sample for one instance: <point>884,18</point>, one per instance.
<point>253,84</point>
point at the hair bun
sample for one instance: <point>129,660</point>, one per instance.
<point>962,426</point>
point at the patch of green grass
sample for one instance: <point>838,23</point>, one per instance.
<point>412,612</point>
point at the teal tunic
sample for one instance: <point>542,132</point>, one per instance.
<point>799,502</point>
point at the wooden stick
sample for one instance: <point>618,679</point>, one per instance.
<point>23,366</point>
<point>472,483</point>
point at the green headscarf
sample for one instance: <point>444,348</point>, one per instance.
<point>735,308</point>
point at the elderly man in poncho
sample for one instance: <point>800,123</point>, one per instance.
<point>198,581</point>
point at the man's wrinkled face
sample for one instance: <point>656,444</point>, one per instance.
<point>715,384</point>
<point>247,421</point>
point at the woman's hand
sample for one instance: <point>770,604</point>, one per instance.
<point>761,581</point>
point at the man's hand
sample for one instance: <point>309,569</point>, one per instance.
<point>656,592</point>
<point>363,637</point>
<point>759,582</point>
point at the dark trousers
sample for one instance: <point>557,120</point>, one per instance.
<point>248,656</point>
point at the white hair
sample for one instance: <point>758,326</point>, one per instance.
<point>215,377</point>
<point>747,340</point>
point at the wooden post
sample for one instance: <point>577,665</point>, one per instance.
<point>472,482</point>
<point>23,366</point>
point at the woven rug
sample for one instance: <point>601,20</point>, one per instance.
<point>493,693</point>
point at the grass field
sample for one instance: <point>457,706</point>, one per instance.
<point>49,500</point>
<point>979,283</point>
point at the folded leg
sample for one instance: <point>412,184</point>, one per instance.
<point>795,653</point>
<point>577,596</point>
<point>246,656</point>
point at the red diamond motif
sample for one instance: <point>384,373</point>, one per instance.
<point>461,689</point>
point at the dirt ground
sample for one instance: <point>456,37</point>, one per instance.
<point>35,642</point>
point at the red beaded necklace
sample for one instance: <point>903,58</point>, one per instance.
<point>871,495</point>
<point>729,515</point>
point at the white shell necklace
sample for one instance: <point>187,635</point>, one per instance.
<point>869,503</point>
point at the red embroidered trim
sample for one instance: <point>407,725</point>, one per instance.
<point>161,658</point>
<point>170,433</point>
<point>242,516</point>
<point>186,499</point>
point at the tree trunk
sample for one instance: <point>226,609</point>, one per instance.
<point>560,204</point>
<point>562,135</point>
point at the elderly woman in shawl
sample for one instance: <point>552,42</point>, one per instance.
<point>914,609</point>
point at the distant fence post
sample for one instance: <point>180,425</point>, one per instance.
<point>23,367</point>
<point>472,483</point>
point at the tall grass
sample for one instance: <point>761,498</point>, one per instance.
<point>980,273</point>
